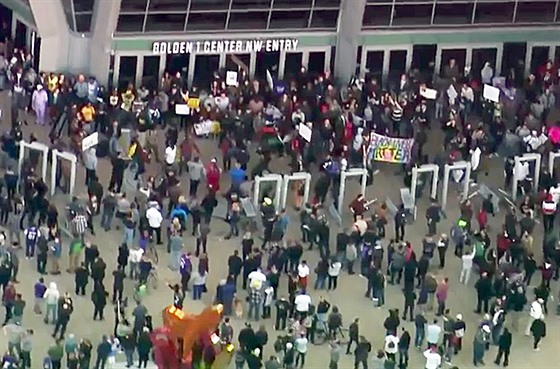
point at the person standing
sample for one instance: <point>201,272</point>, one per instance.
<point>433,358</point>
<point>32,234</point>
<point>433,333</point>
<point>155,219</point>
<point>535,313</point>
<point>361,353</point>
<point>300,345</point>
<point>391,346</point>
<point>103,351</point>
<point>466,268</point>
<point>442,246</point>
<point>538,330</point>
<point>55,354</point>
<point>483,292</point>
<point>81,278</point>
<point>420,326</point>
<point>400,223</point>
<point>504,347</point>
<point>433,217</point>
<point>441,294</point>
<point>26,347</point>
<point>481,338</point>
<point>334,349</point>
<point>99,299</point>
<point>354,334</point>
<point>409,302</point>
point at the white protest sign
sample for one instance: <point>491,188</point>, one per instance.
<point>458,175</point>
<point>269,79</point>
<point>428,93</point>
<point>305,132</point>
<point>231,78</point>
<point>452,93</point>
<point>203,128</point>
<point>182,109</point>
<point>491,93</point>
<point>90,141</point>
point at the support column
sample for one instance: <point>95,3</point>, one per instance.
<point>103,25</point>
<point>50,19</point>
<point>349,28</point>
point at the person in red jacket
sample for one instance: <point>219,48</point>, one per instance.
<point>213,175</point>
<point>482,218</point>
<point>502,243</point>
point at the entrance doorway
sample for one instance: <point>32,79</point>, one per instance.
<point>127,71</point>
<point>480,57</point>
<point>459,55</point>
<point>316,64</point>
<point>397,64</point>
<point>514,61</point>
<point>177,63</point>
<point>150,72</point>
<point>236,62</point>
<point>539,56</point>
<point>204,68</point>
<point>20,39</point>
<point>423,59</point>
<point>292,65</point>
<point>374,65</point>
<point>267,61</point>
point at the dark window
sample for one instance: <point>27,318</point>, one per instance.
<point>250,4</point>
<point>83,22</point>
<point>292,4</point>
<point>267,61</point>
<point>423,57</point>
<point>127,71</point>
<point>412,15</point>
<point>327,3</point>
<point>374,64</point>
<point>377,15</point>
<point>165,22</point>
<point>535,11</point>
<point>234,65</point>
<point>208,4</point>
<point>316,62</point>
<point>67,5</point>
<point>130,23</point>
<point>204,68</point>
<point>83,6</point>
<point>133,5</point>
<point>289,19</point>
<point>494,12</point>
<point>206,21</point>
<point>168,5</point>
<point>248,20</point>
<point>324,19</point>
<point>460,13</point>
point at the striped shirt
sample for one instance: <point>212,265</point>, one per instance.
<point>79,224</point>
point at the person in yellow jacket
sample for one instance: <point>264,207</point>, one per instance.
<point>88,113</point>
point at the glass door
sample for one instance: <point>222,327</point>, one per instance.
<point>177,63</point>
<point>397,64</point>
<point>316,63</point>
<point>127,71</point>
<point>480,57</point>
<point>267,61</point>
<point>374,65</point>
<point>539,57</point>
<point>453,62</point>
<point>20,40</point>
<point>237,62</point>
<point>150,72</point>
<point>292,65</point>
<point>204,68</point>
<point>513,61</point>
<point>423,59</point>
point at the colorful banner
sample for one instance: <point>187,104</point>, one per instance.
<point>390,149</point>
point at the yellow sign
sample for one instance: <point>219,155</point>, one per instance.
<point>193,103</point>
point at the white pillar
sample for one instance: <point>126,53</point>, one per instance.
<point>103,25</point>
<point>72,178</point>
<point>139,70</point>
<point>349,28</point>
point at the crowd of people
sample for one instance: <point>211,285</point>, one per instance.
<point>256,120</point>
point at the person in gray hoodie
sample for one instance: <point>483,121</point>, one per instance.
<point>81,88</point>
<point>90,162</point>
<point>196,173</point>
<point>15,225</point>
<point>175,247</point>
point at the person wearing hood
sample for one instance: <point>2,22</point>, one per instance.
<point>486,74</point>
<point>39,102</point>
<point>51,297</point>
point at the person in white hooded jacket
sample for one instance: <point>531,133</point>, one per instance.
<point>536,312</point>
<point>51,297</point>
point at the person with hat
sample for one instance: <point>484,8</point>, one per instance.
<point>481,338</point>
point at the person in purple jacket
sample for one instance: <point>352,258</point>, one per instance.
<point>39,292</point>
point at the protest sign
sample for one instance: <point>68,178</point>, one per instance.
<point>231,78</point>
<point>452,93</point>
<point>305,132</point>
<point>193,102</point>
<point>491,93</point>
<point>182,109</point>
<point>203,128</point>
<point>390,149</point>
<point>428,93</point>
<point>269,79</point>
<point>90,141</point>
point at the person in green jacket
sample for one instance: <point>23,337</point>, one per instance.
<point>75,251</point>
<point>56,353</point>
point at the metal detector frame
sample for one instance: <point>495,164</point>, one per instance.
<point>37,146</point>
<point>525,158</point>
<point>425,168</point>
<point>299,176</point>
<point>552,156</point>
<point>460,165</point>
<point>268,178</point>
<point>73,159</point>
<point>352,172</point>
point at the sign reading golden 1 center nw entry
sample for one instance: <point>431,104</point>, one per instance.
<point>225,46</point>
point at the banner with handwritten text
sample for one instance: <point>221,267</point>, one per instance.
<point>390,149</point>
